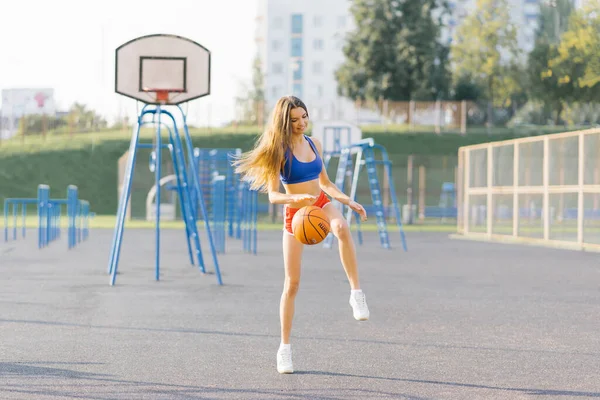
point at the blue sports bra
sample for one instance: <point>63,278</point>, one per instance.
<point>295,171</point>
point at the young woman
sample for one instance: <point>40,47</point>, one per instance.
<point>283,153</point>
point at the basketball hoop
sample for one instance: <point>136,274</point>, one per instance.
<point>162,96</point>
<point>162,69</point>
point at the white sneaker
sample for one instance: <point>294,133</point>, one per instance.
<point>358,302</point>
<point>284,361</point>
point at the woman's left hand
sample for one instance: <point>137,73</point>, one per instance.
<point>359,209</point>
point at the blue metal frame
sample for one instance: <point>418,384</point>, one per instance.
<point>366,148</point>
<point>241,203</point>
<point>249,217</point>
<point>218,210</point>
<point>189,191</point>
<point>219,161</point>
<point>49,215</point>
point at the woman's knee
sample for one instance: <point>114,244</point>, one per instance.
<point>291,287</point>
<point>340,229</point>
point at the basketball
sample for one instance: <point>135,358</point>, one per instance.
<point>310,225</point>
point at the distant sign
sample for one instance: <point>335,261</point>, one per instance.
<point>17,103</point>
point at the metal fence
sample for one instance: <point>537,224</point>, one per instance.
<point>424,184</point>
<point>543,189</point>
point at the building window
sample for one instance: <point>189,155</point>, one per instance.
<point>277,23</point>
<point>276,45</point>
<point>277,69</point>
<point>317,21</point>
<point>318,44</point>
<point>275,91</point>
<point>297,68</point>
<point>297,24</point>
<point>317,68</point>
<point>297,90</point>
<point>296,47</point>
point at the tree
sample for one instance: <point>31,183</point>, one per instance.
<point>485,50</point>
<point>552,23</point>
<point>395,53</point>
<point>576,62</point>
<point>84,119</point>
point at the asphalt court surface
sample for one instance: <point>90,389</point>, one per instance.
<point>450,319</point>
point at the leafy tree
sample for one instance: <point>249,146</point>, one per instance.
<point>84,119</point>
<point>485,49</point>
<point>395,53</point>
<point>576,63</point>
<point>552,23</point>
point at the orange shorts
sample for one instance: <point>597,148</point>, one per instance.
<point>321,202</point>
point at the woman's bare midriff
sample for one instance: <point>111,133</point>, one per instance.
<point>308,187</point>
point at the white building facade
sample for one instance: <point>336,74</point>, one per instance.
<point>300,46</point>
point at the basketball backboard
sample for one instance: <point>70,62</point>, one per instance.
<point>162,69</point>
<point>334,135</point>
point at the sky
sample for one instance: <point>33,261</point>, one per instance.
<point>69,45</point>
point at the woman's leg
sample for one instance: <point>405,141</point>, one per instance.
<point>292,257</point>
<point>339,227</point>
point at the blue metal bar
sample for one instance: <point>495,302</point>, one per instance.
<point>218,217</point>
<point>123,201</point>
<point>150,145</point>
<point>158,194</point>
<point>254,220</point>
<point>24,220</point>
<point>6,203</point>
<point>43,197</point>
<point>72,194</point>
<point>15,209</point>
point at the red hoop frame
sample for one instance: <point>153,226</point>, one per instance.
<point>162,95</point>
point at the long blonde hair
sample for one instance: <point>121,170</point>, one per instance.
<point>265,161</point>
